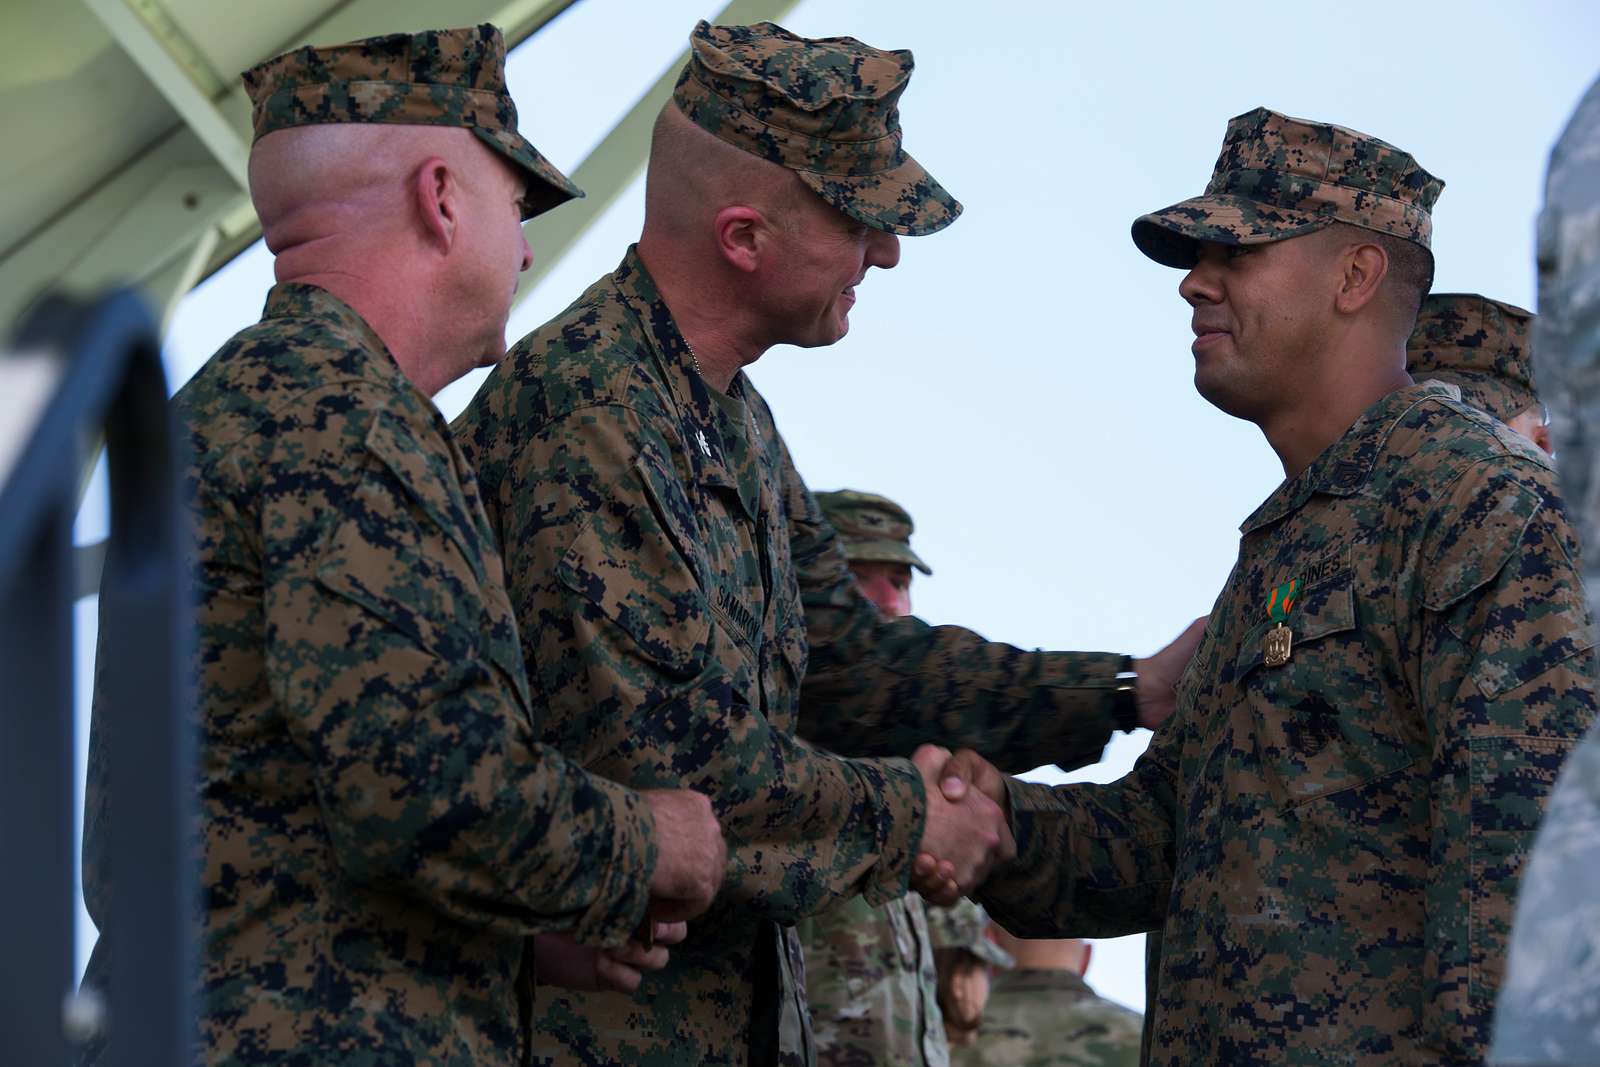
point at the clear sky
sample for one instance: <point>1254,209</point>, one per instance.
<point>1021,382</point>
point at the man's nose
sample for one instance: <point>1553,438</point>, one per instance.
<point>1203,283</point>
<point>527,252</point>
<point>883,250</point>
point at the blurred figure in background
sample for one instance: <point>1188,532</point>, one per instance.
<point>966,959</point>
<point>1041,1012</point>
<point>869,970</point>
<point>1481,347</point>
<point>1549,1010</point>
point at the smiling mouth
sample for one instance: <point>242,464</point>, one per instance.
<point>1205,335</point>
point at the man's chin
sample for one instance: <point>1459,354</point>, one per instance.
<point>1230,398</point>
<point>823,338</point>
<point>493,353</point>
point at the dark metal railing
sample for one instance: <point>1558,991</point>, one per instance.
<point>110,377</point>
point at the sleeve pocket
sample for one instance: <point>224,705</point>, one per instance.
<point>1512,778</point>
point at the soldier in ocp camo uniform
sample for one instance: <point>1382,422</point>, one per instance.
<point>1481,347</point>
<point>966,960</point>
<point>1041,1012</point>
<point>674,576</point>
<point>1549,1011</point>
<point>1331,828</point>
<point>383,834</point>
<point>870,979</point>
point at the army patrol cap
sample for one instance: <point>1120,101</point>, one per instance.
<point>873,528</point>
<point>1478,344</point>
<point>966,927</point>
<point>1280,177</point>
<point>826,108</point>
<point>433,78</point>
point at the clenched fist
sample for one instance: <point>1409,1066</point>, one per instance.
<point>691,854</point>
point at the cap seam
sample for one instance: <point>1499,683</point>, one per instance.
<point>895,135</point>
<point>490,94</point>
<point>1319,181</point>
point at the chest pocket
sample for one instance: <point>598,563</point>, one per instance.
<point>640,570</point>
<point>1323,722</point>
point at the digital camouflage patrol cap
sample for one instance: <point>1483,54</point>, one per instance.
<point>873,528</point>
<point>433,78</point>
<point>1478,344</point>
<point>826,108</point>
<point>1280,177</point>
<point>965,926</point>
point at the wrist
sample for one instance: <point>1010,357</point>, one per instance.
<point>1125,697</point>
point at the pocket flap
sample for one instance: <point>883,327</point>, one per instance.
<point>1321,610</point>
<point>637,581</point>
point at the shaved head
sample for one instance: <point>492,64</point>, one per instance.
<point>693,174</point>
<point>419,227</point>
<point>301,176</point>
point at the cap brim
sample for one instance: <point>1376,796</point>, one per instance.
<point>1171,236</point>
<point>884,552</point>
<point>992,954</point>
<point>904,200</point>
<point>547,186</point>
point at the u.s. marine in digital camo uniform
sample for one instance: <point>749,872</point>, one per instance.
<point>1481,347</point>
<point>1330,829</point>
<point>381,828</point>
<point>1549,1011</point>
<point>674,578</point>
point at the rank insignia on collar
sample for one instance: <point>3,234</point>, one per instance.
<point>700,439</point>
<point>1279,641</point>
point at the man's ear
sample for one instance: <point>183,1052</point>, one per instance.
<point>741,233</point>
<point>436,196</point>
<point>1363,267</point>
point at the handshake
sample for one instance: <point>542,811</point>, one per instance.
<point>965,833</point>
<point>968,827</point>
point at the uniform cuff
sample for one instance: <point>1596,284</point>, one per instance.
<point>1082,708</point>
<point>624,866</point>
<point>902,812</point>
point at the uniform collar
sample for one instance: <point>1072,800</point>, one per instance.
<point>696,409</point>
<point>1052,979</point>
<point>297,300</point>
<point>1344,466</point>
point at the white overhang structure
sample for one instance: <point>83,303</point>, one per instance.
<point>127,132</point>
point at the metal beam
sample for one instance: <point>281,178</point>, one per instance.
<point>172,63</point>
<point>618,159</point>
<point>165,221</point>
<point>130,229</point>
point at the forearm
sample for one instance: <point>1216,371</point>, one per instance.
<point>435,791</point>
<point>880,686</point>
<point>849,826</point>
<point>877,686</point>
<point>1092,860</point>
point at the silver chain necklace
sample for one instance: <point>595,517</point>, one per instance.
<point>749,419</point>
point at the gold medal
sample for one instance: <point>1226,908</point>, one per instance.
<point>1275,647</point>
<point>1279,641</point>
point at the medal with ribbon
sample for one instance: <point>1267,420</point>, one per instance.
<point>1278,643</point>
